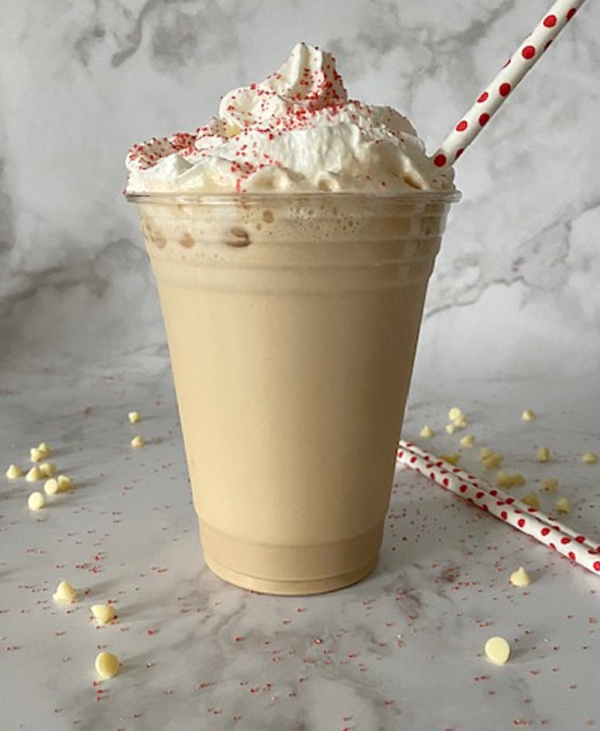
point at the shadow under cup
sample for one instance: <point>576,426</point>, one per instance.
<point>292,323</point>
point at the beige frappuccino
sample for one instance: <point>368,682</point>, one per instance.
<point>292,297</point>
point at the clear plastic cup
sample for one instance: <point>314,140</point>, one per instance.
<point>292,322</point>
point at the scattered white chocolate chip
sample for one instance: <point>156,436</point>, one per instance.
<point>543,454</point>
<point>467,441</point>
<point>484,452</point>
<point>450,458</point>
<point>589,457</point>
<point>34,474</point>
<point>65,592</point>
<point>64,483</point>
<point>51,486</point>
<point>503,479</point>
<point>44,450</point>
<point>492,460</point>
<point>426,432</point>
<point>455,414</point>
<point>550,484</point>
<point>457,418</point>
<point>497,650</point>
<point>134,417</point>
<point>106,664</point>
<point>36,455</point>
<point>137,442</point>
<point>563,505</point>
<point>532,500</point>
<point>48,469</point>
<point>36,501</point>
<point>528,415</point>
<point>517,480</point>
<point>450,428</point>
<point>13,472</point>
<point>103,613</point>
<point>520,578</point>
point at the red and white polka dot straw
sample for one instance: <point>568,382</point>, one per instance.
<point>516,513</point>
<point>494,95</point>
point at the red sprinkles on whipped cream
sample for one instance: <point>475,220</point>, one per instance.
<point>295,131</point>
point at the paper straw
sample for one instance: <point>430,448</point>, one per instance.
<point>498,91</point>
<point>528,520</point>
<point>498,494</point>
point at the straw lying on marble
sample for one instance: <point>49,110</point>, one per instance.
<point>516,513</point>
<point>504,83</point>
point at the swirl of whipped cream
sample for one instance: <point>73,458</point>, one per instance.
<point>296,131</point>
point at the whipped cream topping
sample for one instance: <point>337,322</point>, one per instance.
<point>295,131</point>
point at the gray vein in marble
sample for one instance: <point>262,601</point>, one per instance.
<point>551,245</point>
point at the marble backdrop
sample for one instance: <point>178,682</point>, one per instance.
<point>515,289</point>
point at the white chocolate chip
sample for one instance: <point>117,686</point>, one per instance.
<point>492,460</point>
<point>589,457</point>
<point>503,479</point>
<point>467,441</point>
<point>450,458</point>
<point>543,454</point>
<point>36,455</point>
<point>106,664</point>
<point>137,442</point>
<point>497,650</point>
<point>484,452</point>
<point>64,483</point>
<point>520,578</point>
<point>34,474</point>
<point>532,500</point>
<point>48,469</point>
<point>36,501</point>
<point>450,428</point>
<point>44,450</point>
<point>134,417</point>
<point>65,592</point>
<point>426,432</point>
<point>51,486</point>
<point>103,613</point>
<point>563,505</point>
<point>528,415</point>
<point>455,414</point>
<point>517,480</point>
<point>13,472</point>
<point>550,484</point>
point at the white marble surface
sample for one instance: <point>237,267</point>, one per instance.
<point>512,321</point>
<point>401,650</point>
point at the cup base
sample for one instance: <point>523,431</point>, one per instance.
<point>291,570</point>
<point>290,588</point>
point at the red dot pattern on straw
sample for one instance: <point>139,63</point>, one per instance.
<point>528,52</point>
<point>440,161</point>
<point>507,79</point>
<point>574,546</point>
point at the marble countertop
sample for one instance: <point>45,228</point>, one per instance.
<point>401,650</point>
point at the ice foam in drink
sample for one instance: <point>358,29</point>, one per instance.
<point>292,239</point>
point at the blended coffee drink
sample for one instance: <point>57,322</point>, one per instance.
<point>292,240</point>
